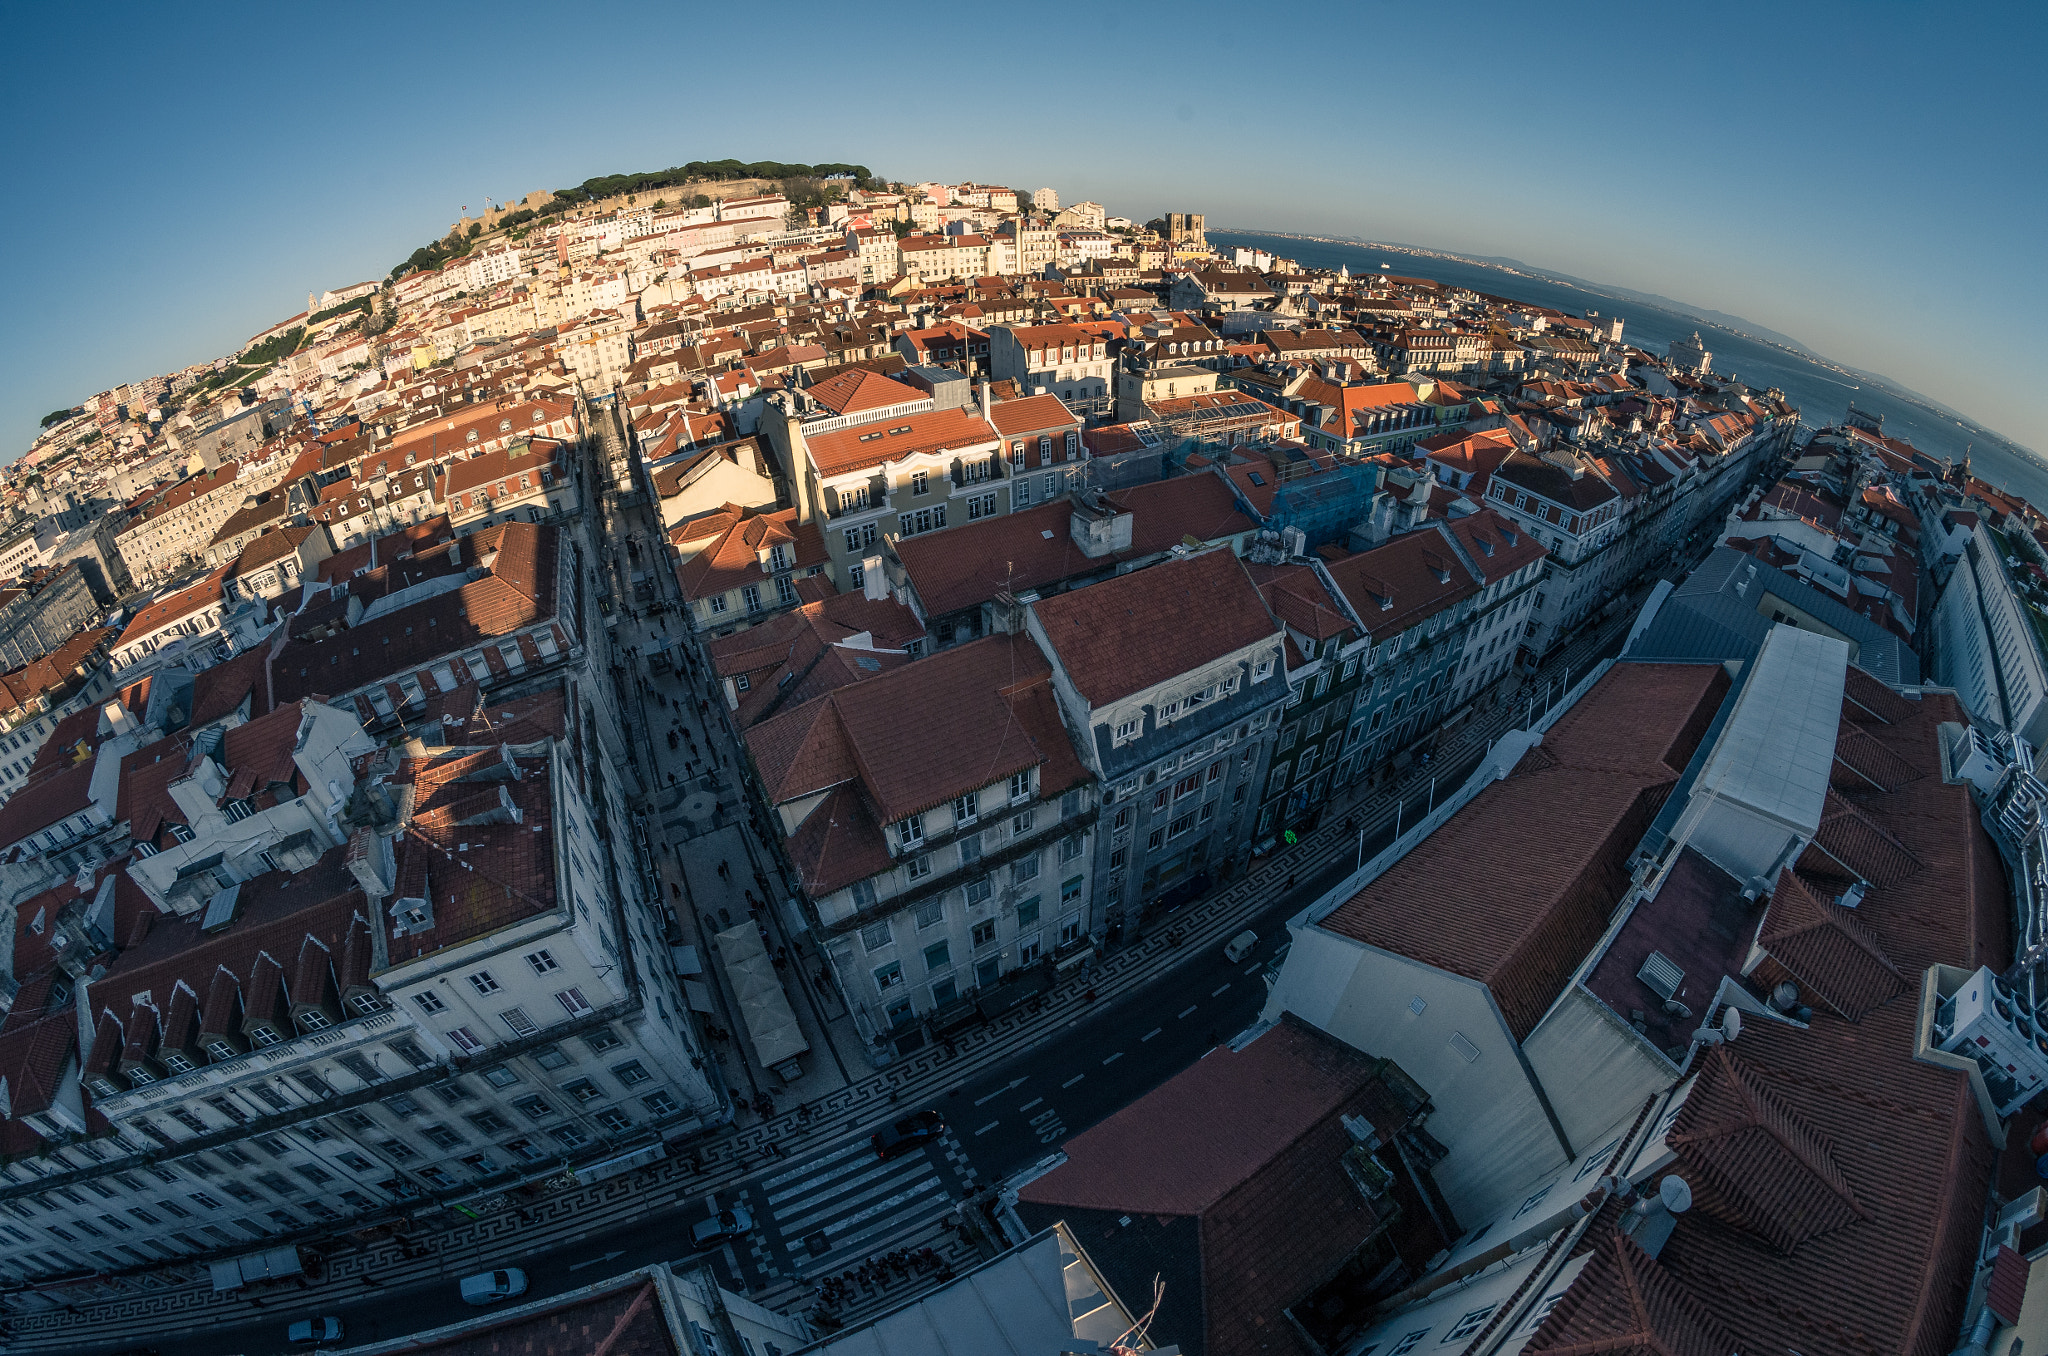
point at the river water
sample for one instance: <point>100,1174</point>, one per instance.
<point>1821,395</point>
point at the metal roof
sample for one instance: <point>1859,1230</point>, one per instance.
<point>1713,615</point>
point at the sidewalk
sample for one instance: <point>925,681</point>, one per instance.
<point>841,1102</point>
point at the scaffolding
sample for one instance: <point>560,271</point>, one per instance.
<point>1325,505</point>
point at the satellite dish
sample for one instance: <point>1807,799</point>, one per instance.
<point>1731,1022</point>
<point>1675,1195</point>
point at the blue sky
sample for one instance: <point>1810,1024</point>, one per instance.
<point>1867,178</point>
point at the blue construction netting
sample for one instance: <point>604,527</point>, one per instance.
<point>1326,505</point>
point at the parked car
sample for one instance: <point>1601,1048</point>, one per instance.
<point>721,1228</point>
<point>313,1331</point>
<point>907,1134</point>
<point>1240,946</point>
<point>488,1287</point>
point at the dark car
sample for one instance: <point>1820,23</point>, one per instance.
<point>907,1134</point>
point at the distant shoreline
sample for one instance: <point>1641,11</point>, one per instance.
<point>1891,388</point>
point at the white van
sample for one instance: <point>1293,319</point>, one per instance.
<point>1240,946</point>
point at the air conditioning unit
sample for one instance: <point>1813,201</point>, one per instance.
<point>1986,1023</point>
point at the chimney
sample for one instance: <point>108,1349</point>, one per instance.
<point>874,585</point>
<point>1097,527</point>
<point>984,398</point>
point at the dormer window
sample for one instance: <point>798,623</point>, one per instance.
<point>967,808</point>
<point>1020,786</point>
<point>1262,670</point>
<point>778,558</point>
<point>911,831</point>
<point>262,1037</point>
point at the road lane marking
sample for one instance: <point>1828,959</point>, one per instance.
<point>1071,1081</point>
<point>1150,1034</point>
<point>1028,1105</point>
<point>1114,1058</point>
<point>1190,1008</point>
<point>1219,992</point>
<point>986,1128</point>
<point>1254,969</point>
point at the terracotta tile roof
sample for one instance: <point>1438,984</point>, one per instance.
<point>838,843</point>
<point>973,731</point>
<point>445,435</point>
<point>258,753</point>
<point>206,482</point>
<point>51,672</point>
<point>966,566</point>
<point>1890,1275</point>
<point>461,718</point>
<point>734,557</point>
<point>517,591</point>
<point>743,452</point>
<point>42,801</point>
<point>866,445</point>
<point>1404,582</point>
<point>271,506</point>
<point>1494,544</point>
<point>183,603</point>
<point>857,389</point>
<point>1033,414</point>
<point>219,690</point>
<point>1554,483</point>
<point>1474,454</point>
<point>1354,404</point>
<point>71,739</point>
<point>1832,955</point>
<point>32,1062</point>
<point>277,912</point>
<point>479,876</point>
<point>1127,634</point>
<point>144,798</point>
<point>1246,1143</point>
<point>1754,1164</point>
<point>272,546</point>
<point>1625,1304</point>
<point>1295,594</point>
<point>1851,844</point>
<point>626,1321</point>
<point>532,458</point>
<point>797,655</point>
<point>1568,818</point>
<point>1166,1153</point>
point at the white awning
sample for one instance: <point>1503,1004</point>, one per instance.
<point>757,992</point>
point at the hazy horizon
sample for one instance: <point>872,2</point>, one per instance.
<point>219,168</point>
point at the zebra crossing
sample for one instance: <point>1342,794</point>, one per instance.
<point>845,1206</point>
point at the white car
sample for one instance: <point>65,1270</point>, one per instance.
<point>308,1331</point>
<point>488,1287</point>
<point>723,1227</point>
